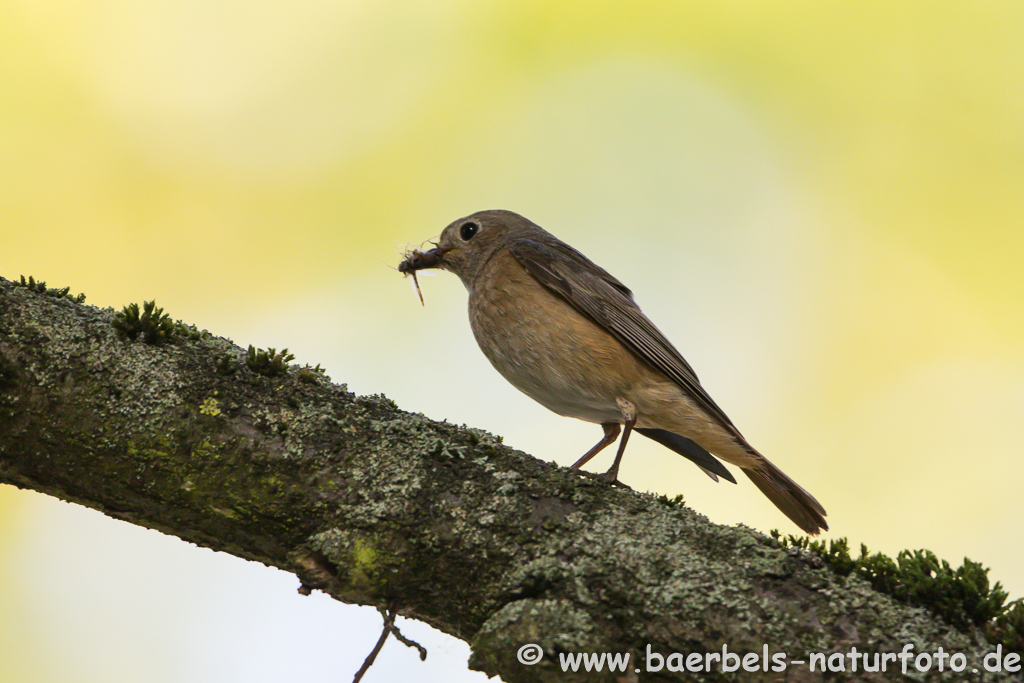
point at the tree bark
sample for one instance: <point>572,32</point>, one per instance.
<point>381,507</point>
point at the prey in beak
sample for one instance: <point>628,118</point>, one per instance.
<point>420,260</point>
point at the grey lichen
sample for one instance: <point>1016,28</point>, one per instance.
<point>555,626</point>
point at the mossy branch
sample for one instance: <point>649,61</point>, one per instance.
<point>246,454</point>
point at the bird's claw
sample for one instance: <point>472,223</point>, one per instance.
<point>607,477</point>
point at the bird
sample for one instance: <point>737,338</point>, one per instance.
<point>569,335</point>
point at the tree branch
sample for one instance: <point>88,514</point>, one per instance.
<point>381,507</point>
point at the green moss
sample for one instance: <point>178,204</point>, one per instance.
<point>674,502</point>
<point>961,596</point>
<point>190,332</point>
<point>364,559</point>
<point>204,449</point>
<point>269,363</point>
<point>225,364</point>
<point>138,451</point>
<point>151,324</point>
<point>309,374</point>
<point>1008,627</point>
<point>40,288</point>
<point>835,552</point>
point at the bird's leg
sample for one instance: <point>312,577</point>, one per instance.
<point>628,412</point>
<point>611,430</point>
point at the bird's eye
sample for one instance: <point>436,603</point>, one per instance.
<point>469,229</point>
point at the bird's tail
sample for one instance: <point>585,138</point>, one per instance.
<point>788,496</point>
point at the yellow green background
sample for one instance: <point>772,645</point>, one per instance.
<point>821,204</point>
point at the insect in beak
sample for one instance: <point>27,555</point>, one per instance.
<point>420,260</point>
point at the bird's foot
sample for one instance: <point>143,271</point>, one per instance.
<point>608,477</point>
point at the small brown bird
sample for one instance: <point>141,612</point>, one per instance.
<point>567,334</point>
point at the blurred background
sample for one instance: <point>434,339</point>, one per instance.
<point>820,204</point>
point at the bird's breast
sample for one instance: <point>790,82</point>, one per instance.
<point>546,348</point>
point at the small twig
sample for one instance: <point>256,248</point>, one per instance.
<point>409,643</point>
<point>389,620</point>
<point>389,615</point>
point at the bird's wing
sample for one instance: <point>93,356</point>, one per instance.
<point>609,303</point>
